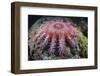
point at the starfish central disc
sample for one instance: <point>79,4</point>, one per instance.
<point>58,26</point>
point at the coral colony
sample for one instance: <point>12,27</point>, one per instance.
<point>55,38</point>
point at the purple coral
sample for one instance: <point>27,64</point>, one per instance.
<point>54,35</point>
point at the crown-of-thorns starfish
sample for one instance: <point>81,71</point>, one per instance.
<point>54,33</point>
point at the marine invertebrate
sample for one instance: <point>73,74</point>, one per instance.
<point>54,35</point>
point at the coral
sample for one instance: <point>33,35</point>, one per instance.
<point>83,44</point>
<point>54,35</point>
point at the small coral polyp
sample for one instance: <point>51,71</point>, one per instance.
<point>54,35</point>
